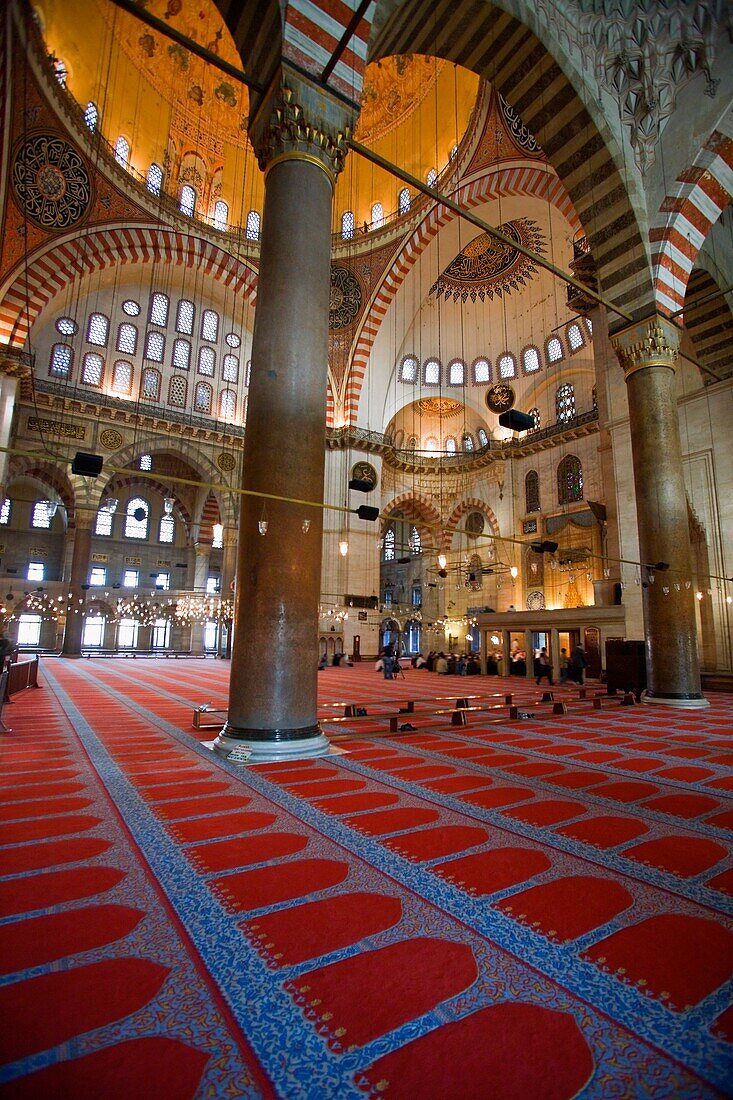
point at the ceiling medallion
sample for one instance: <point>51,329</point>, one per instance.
<point>110,439</point>
<point>487,266</point>
<point>439,406</point>
<point>536,601</point>
<point>345,298</point>
<point>51,182</point>
<point>500,397</point>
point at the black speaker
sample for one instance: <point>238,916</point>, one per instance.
<point>365,511</point>
<point>87,465</point>
<point>517,421</point>
<point>361,485</point>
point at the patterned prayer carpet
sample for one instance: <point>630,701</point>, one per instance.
<point>504,909</point>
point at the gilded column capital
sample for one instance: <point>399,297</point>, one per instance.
<point>298,121</point>
<point>654,342</point>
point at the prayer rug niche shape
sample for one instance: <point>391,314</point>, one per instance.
<point>487,266</point>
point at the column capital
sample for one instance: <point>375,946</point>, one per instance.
<point>654,342</point>
<point>297,120</point>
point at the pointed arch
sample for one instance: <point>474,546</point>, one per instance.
<point>470,504</point>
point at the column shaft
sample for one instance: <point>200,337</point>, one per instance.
<point>80,559</point>
<point>275,655</point>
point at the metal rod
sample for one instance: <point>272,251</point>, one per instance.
<point>345,39</point>
<point>487,228</point>
<point>159,25</point>
<point>695,302</point>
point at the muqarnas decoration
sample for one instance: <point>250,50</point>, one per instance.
<point>487,266</point>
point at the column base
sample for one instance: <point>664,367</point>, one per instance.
<point>696,701</point>
<point>269,746</point>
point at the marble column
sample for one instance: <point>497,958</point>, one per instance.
<point>201,566</point>
<point>298,133</point>
<point>648,354</point>
<point>80,560</point>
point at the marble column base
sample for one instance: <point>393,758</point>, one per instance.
<point>268,746</point>
<point>670,701</point>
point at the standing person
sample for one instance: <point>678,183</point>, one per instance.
<point>388,662</point>
<point>577,663</point>
<point>544,668</point>
<point>563,666</point>
<point>6,647</point>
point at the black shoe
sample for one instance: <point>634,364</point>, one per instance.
<point>406,726</point>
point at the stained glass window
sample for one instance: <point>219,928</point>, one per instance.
<point>575,337</point>
<point>181,359</point>
<point>122,151</point>
<point>154,179</point>
<point>377,215</point>
<point>159,310</point>
<point>187,203</point>
<point>252,231</point>
<point>347,225</point>
<point>227,404</point>
<point>184,317</point>
<point>565,403</point>
<point>507,366</point>
<point>154,346</point>
<point>456,372</point>
<point>202,397</point>
<point>553,349</point>
<point>481,371</point>
<point>431,372</point>
<point>221,216</point>
<point>177,388</point>
<point>127,338</point>
<point>150,385</point>
<point>92,369</point>
<point>530,360</point>
<point>91,115</point>
<point>569,480</point>
<point>136,527</point>
<point>408,369</point>
<point>62,357</point>
<point>98,329</point>
<point>230,368</point>
<point>532,492</point>
<point>209,325</point>
<point>389,543</point>
<point>403,201</point>
<point>122,377</point>
<point>207,361</point>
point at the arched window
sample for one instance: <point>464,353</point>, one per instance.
<point>42,515</point>
<point>221,215</point>
<point>252,230</point>
<point>347,225</point>
<point>482,437</point>
<point>431,443</point>
<point>67,326</point>
<point>412,443</point>
<point>574,338</point>
<point>136,518</point>
<point>408,369</point>
<point>187,202</point>
<point>146,462</point>
<point>553,350</point>
<point>122,151</point>
<point>415,541</point>
<point>122,376</point>
<point>209,325</point>
<point>91,115</point>
<point>537,419</point>
<point>530,360</point>
<point>127,338</point>
<point>177,391</point>
<point>456,372</point>
<point>150,384</point>
<point>431,372</point>
<point>159,310</point>
<point>507,366</point>
<point>468,443</point>
<point>207,361</point>
<point>60,70</point>
<point>377,215</point>
<point>450,445</point>
<point>532,492</point>
<point>105,519</point>
<point>202,397</point>
<point>432,177</point>
<point>184,317</point>
<point>453,152</point>
<point>569,480</point>
<point>230,368</point>
<point>167,529</point>
<point>92,369</point>
<point>62,357</point>
<point>181,358</point>
<point>389,543</point>
<point>227,404</point>
<point>154,179</point>
<point>481,371</point>
<point>98,329</point>
<point>565,403</point>
<point>588,325</point>
<point>154,347</point>
<point>404,201</point>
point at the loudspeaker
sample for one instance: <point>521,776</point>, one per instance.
<point>361,485</point>
<point>87,465</point>
<point>366,511</point>
<point>517,421</point>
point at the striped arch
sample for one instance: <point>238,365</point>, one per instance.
<point>471,504</point>
<point>536,181</point>
<point>501,47</point>
<point>686,217</point>
<point>210,515</point>
<point>48,474</point>
<point>49,270</point>
<point>420,509</point>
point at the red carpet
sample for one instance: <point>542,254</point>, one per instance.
<point>514,909</point>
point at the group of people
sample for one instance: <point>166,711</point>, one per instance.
<point>338,660</point>
<point>571,668</point>
<point>452,664</point>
